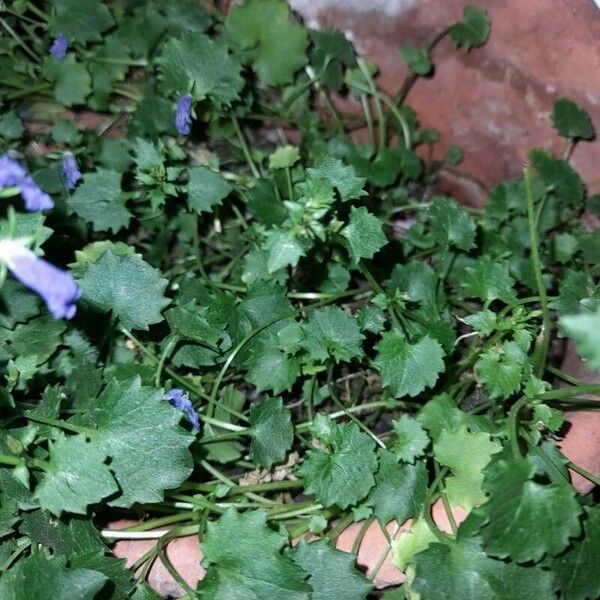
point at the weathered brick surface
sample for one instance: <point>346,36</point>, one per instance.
<point>494,101</point>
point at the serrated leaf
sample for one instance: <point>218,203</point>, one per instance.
<point>558,176</point>
<point>99,200</point>
<point>451,224</point>
<point>197,63</point>
<point>330,331</point>
<point>73,82</point>
<point>276,44</point>
<point>271,369</point>
<point>140,433</point>
<point>39,577</point>
<point>576,572</point>
<point>120,580</point>
<point>399,490</point>
<point>76,477</point>
<point>331,572</point>
<point>441,413</point>
<point>206,189</point>
<point>39,338</point>
<point>473,30</point>
<point>343,473</point>
<point>339,176</point>
<point>410,439</point>
<point>408,369</point>
<point>527,520</point>
<point>483,321</point>
<point>466,454</point>
<point>501,370</point>
<point>571,121</point>
<point>245,561</point>
<point>283,249</point>
<point>584,329</point>
<point>463,570</point>
<point>272,432</point>
<point>81,20</point>
<point>488,280</point>
<point>284,157</point>
<point>416,59</point>
<point>411,542</point>
<point>364,234</point>
<point>116,283</point>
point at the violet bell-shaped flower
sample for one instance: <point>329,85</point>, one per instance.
<point>59,46</point>
<point>70,171</point>
<point>56,287</point>
<point>180,400</point>
<point>183,117</point>
<point>12,174</point>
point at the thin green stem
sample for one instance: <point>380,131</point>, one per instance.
<point>412,76</point>
<point>569,392</point>
<point>513,420</point>
<point>541,346</point>
<point>20,42</point>
<point>169,347</point>
<point>244,147</point>
<point>369,118</point>
<point>381,124</point>
<point>586,474</point>
<point>88,431</point>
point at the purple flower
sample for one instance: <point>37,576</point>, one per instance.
<point>59,46</point>
<point>180,399</point>
<point>70,171</point>
<point>57,288</point>
<point>183,118</point>
<point>12,174</point>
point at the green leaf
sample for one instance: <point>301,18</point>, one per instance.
<point>441,413</point>
<point>193,62</point>
<point>488,280</point>
<point>331,572</point>
<point>526,520</point>
<point>284,249</point>
<point>275,43</point>
<point>399,490</point>
<point>206,189</point>
<point>120,580</point>
<point>81,20</point>
<point>284,157</point>
<point>73,82</point>
<point>76,477</point>
<point>416,59</point>
<point>341,474</point>
<point>39,577</point>
<point>408,369</point>
<point>11,127</point>
<point>571,121</point>
<point>271,369</point>
<point>410,439</point>
<point>484,321</point>
<point>99,200</point>
<point>411,542</point>
<point>473,30</point>
<point>466,453</point>
<point>584,329</point>
<point>338,175</point>
<point>575,570</point>
<point>558,176</point>
<point>462,569</point>
<point>132,423</point>
<point>502,369</point>
<point>116,283</point>
<point>451,224</point>
<point>364,234</point>
<point>245,561</point>
<point>39,338</point>
<point>330,331</point>
<point>272,432</point>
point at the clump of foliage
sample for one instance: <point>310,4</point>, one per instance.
<point>258,326</point>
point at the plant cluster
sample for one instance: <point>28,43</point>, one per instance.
<point>256,317</point>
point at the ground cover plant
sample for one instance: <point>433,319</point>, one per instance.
<point>226,313</point>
